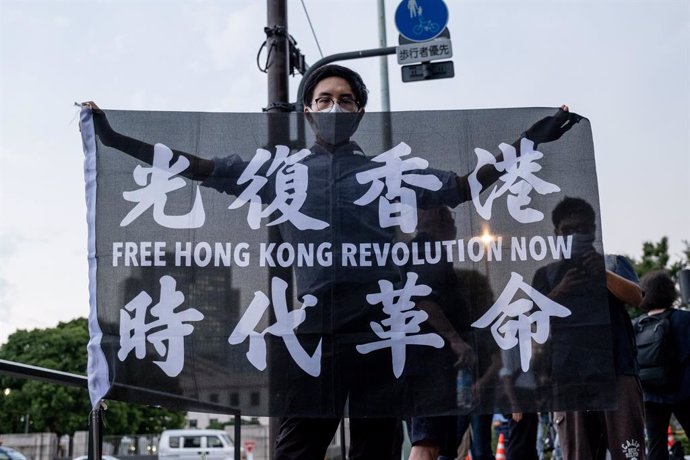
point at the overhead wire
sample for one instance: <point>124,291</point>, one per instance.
<point>313,32</point>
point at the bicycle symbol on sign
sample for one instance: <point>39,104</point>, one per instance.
<point>425,26</point>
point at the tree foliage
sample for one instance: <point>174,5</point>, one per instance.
<point>655,256</point>
<point>684,262</point>
<point>61,409</point>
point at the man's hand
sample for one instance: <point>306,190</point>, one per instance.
<point>463,352</point>
<point>103,129</point>
<point>552,128</point>
<point>91,105</point>
<point>575,278</point>
<point>593,263</point>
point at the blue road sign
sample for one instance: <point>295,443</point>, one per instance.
<point>421,20</point>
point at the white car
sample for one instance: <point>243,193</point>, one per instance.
<point>195,444</point>
<point>103,457</point>
<point>7,453</point>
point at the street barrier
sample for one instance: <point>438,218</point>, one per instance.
<point>95,451</point>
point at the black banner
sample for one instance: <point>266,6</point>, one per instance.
<point>424,268</point>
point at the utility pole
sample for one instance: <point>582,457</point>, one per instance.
<point>385,87</point>
<point>277,67</point>
<point>383,60</point>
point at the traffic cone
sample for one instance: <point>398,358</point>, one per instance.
<point>501,448</point>
<point>671,439</point>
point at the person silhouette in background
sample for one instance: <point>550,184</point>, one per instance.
<point>586,435</point>
<point>674,398</point>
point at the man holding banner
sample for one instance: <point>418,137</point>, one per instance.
<point>329,205</point>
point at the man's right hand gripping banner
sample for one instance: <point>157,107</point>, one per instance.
<point>436,263</point>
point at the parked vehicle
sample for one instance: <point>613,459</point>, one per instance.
<point>7,453</point>
<point>103,457</point>
<point>192,444</point>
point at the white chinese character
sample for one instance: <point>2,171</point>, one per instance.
<point>170,327</point>
<point>403,322</point>
<point>284,327</point>
<point>514,168</point>
<point>290,188</point>
<point>399,204</point>
<point>154,191</point>
<point>516,322</point>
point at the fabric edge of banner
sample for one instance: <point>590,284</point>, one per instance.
<point>97,365</point>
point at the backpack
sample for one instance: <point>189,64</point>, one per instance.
<point>656,354</point>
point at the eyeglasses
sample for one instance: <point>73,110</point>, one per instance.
<point>326,103</point>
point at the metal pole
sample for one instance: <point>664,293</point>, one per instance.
<point>684,281</point>
<point>238,436</point>
<point>95,435</point>
<point>383,60</point>
<point>278,101</point>
<point>277,44</point>
<point>385,89</point>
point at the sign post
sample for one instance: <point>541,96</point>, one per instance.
<point>438,48</point>
<point>421,20</point>
<point>424,37</point>
<point>427,71</point>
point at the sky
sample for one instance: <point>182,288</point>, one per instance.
<point>625,65</point>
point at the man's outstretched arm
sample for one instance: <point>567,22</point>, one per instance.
<point>199,168</point>
<point>547,129</point>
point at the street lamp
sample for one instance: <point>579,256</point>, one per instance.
<point>487,238</point>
